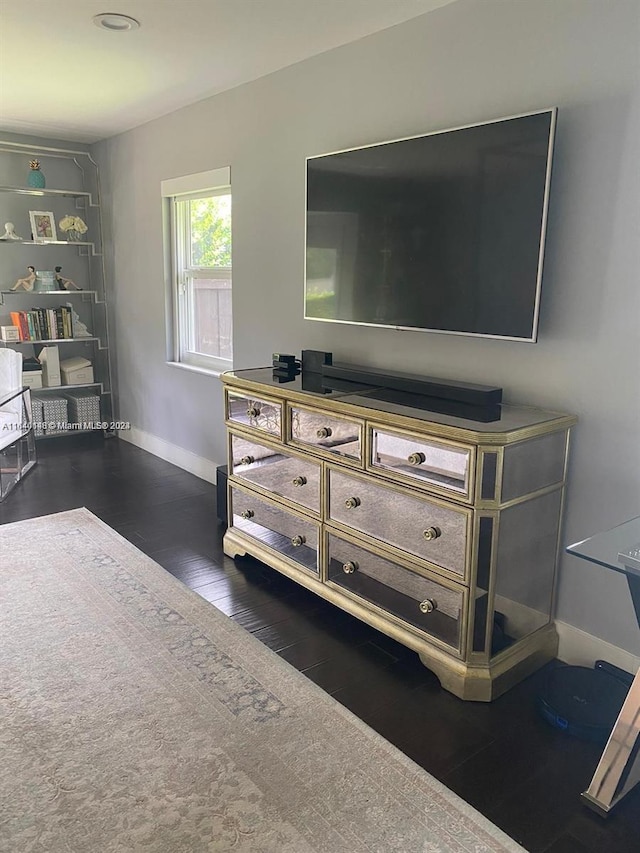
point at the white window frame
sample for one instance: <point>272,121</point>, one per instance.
<point>174,190</point>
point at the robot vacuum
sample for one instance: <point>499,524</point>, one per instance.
<point>583,702</point>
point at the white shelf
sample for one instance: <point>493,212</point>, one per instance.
<point>45,192</point>
<point>47,242</point>
<point>53,341</point>
<point>68,388</point>
<point>45,292</point>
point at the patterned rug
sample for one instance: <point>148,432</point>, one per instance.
<point>134,716</point>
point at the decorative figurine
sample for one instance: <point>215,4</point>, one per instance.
<point>35,178</point>
<point>65,283</point>
<point>79,328</point>
<point>27,282</point>
<point>9,232</point>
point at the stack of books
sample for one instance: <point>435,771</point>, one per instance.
<point>44,324</point>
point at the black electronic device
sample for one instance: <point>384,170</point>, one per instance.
<point>460,392</point>
<point>615,672</point>
<point>283,357</point>
<point>314,360</point>
<point>287,365</point>
<point>440,232</point>
<point>467,411</point>
<point>314,382</point>
<point>286,372</point>
<point>582,702</point>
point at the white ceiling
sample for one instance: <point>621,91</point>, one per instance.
<point>61,76</point>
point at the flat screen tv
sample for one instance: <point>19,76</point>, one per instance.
<point>442,232</point>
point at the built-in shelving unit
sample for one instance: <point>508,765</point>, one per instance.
<point>73,188</point>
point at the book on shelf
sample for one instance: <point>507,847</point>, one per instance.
<point>19,319</point>
<point>33,334</point>
<point>44,324</point>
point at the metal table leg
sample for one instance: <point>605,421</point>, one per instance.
<point>619,767</point>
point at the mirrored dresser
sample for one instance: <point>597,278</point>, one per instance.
<point>437,524</point>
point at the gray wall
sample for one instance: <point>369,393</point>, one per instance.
<point>471,61</point>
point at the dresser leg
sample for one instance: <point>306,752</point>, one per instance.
<point>231,547</point>
<point>469,684</point>
<point>484,683</point>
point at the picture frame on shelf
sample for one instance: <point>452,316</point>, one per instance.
<point>43,226</point>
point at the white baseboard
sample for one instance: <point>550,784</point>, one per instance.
<point>198,465</point>
<point>581,649</point>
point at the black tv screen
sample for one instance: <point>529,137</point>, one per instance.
<point>442,232</point>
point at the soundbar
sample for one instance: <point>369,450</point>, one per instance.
<point>460,392</point>
<point>480,414</point>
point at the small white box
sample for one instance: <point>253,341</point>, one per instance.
<point>50,361</point>
<point>9,333</point>
<point>76,371</point>
<point>32,378</point>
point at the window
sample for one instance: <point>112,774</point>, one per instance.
<point>200,226</point>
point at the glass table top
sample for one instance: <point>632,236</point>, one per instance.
<point>617,549</point>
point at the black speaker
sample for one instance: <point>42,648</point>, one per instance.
<point>451,389</point>
<point>313,360</point>
<point>279,358</point>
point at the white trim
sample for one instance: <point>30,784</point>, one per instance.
<point>581,649</point>
<point>198,465</point>
<point>211,180</point>
<point>205,370</point>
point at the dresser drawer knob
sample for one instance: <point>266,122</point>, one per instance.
<point>428,605</point>
<point>247,513</point>
<point>416,458</point>
<point>352,503</point>
<point>299,481</point>
<point>247,460</point>
<point>253,411</point>
<point>296,541</point>
<point>431,533</point>
<point>324,432</point>
<point>350,567</point>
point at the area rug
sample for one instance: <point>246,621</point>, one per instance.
<point>134,716</point>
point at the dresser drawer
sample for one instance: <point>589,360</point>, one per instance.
<point>281,473</point>
<point>328,433</point>
<point>418,525</point>
<point>422,602</point>
<point>263,415</point>
<point>278,529</point>
<point>444,466</point>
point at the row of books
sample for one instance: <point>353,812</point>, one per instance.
<point>44,324</point>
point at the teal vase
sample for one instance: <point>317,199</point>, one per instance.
<point>35,178</point>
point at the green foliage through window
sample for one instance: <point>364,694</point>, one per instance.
<point>211,231</point>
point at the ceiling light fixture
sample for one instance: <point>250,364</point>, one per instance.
<point>115,22</point>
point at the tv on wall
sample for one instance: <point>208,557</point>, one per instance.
<point>442,232</point>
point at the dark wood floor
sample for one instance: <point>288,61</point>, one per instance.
<point>501,757</point>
